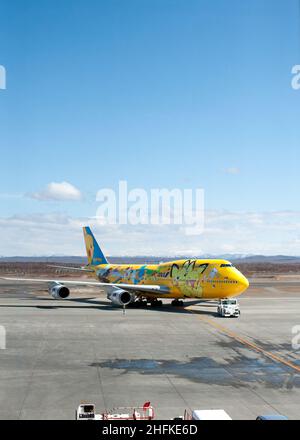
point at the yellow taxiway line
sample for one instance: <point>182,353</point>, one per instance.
<point>245,342</point>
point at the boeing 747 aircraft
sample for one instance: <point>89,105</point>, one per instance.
<point>125,284</point>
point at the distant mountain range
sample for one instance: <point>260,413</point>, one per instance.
<point>153,259</point>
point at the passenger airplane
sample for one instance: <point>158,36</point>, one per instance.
<point>124,284</point>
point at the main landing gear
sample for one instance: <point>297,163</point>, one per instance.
<point>144,302</point>
<point>156,303</point>
<point>177,303</point>
<point>141,302</point>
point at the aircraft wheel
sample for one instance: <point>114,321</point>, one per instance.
<point>156,303</point>
<point>177,303</point>
<point>142,303</point>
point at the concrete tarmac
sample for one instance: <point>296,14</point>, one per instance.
<point>59,353</point>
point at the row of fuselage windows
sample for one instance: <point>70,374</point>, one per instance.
<point>222,281</point>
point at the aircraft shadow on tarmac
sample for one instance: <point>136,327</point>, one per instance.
<point>94,303</point>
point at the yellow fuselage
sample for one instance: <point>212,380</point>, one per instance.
<point>205,279</point>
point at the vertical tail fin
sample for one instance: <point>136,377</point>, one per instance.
<point>94,254</point>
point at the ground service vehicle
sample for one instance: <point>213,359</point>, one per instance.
<point>272,417</point>
<point>206,414</point>
<point>87,411</point>
<point>229,307</point>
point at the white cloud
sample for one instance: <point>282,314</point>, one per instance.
<point>57,191</point>
<point>267,233</point>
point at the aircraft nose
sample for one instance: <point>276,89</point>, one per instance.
<point>243,282</point>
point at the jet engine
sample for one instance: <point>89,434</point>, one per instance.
<point>58,291</point>
<point>120,297</point>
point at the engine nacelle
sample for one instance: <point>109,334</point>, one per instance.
<point>58,291</point>
<point>120,297</point>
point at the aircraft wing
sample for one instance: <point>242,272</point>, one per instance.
<point>138,288</point>
<point>80,269</point>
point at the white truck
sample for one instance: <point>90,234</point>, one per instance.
<point>229,307</point>
<point>205,414</point>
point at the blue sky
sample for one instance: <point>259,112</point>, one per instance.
<point>161,93</point>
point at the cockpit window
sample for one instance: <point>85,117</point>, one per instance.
<point>226,265</point>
